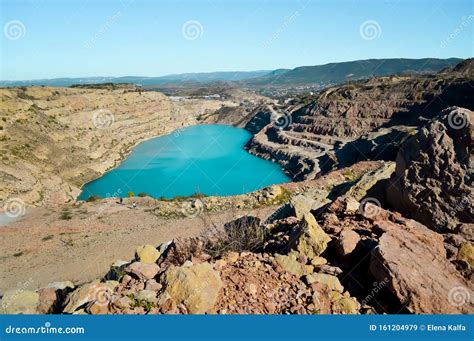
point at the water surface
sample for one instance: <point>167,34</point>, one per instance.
<point>207,159</point>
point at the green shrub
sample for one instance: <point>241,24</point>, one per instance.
<point>93,198</point>
<point>65,215</point>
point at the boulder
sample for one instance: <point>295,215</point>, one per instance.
<point>111,284</point>
<point>343,305</point>
<point>331,281</point>
<point>351,204</point>
<point>466,253</point>
<point>147,295</point>
<point>411,259</point>
<point>20,302</point>
<point>123,302</point>
<point>142,270</point>
<point>347,242</point>
<point>310,239</point>
<point>52,296</point>
<point>152,284</point>
<point>65,285</point>
<point>302,205</point>
<point>117,271</point>
<point>368,180</point>
<point>291,264</point>
<point>433,182</point>
<point>197,287</point>
<point>90,292</point>
<point>48,300</point>
<point>317,261</point>
<point>97,308</point>
<point>147,254</point>
<point>467,231</point>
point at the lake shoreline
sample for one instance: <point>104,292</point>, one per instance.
<point>176,137</point>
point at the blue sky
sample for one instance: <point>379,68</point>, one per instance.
<point>49,39</point>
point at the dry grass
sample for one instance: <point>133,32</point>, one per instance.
<point>239,235</point>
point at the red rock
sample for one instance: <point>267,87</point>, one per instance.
<point>412,259</point>
<point>48,300</point>
<point>143,270</point>
<point>347,242</point>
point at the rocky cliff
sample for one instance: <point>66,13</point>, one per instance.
<point>359,121</point>
<point>53,140</point>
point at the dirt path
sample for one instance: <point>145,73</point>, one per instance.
<point>43,246</point>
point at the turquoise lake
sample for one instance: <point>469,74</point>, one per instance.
<point>207,159</point>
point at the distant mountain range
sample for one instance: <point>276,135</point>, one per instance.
<point>321,74</point>
<point>359,69</point>
<point>203,77</point>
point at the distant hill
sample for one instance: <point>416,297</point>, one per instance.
<point>341,72</point>
<point>203,77</point>
<point>331,73</point>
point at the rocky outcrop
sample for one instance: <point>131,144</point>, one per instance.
<point>291,264</point>
<point>94,128</point>
<point>147,254</point>
<point>94,292</point>
<point>304,265</point>
<point>405,258</point>
<point>310,240</point>
<point>412,259</point>
<point>196,286</point>
<point>360,121</point>
<point>433,178</point>
<point>142,270</point>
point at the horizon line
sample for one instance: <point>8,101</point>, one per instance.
<point>222,71</point>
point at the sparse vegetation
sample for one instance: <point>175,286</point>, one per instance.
<point>243,234</point>
<point>48,237</point>
<point>349,175</point>
<point>180,198</point>
<point>140,303</point>
<point>94,198</point>
<point>65,215</point>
